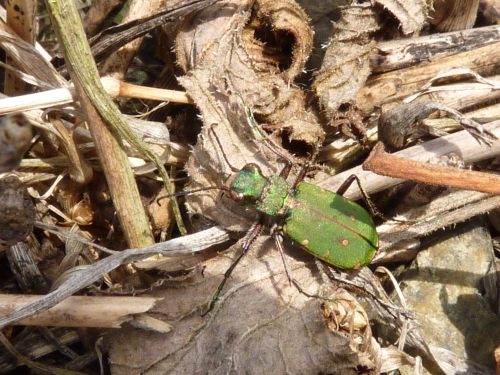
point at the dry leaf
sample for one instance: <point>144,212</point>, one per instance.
<point>235,48</point>
<point>412,14</point>
<point>260,325</point>
<point>346,64</point>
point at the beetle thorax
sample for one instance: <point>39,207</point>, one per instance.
<point>273,199</point>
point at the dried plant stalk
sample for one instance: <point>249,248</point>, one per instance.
<point>179,246</point>
<point>113,87</point>
<point>92,96</point>
<point>399,84</point>
<point>403,53</point>
<point>453,15</point>
<point>385,164</point>
<point>79,311</point>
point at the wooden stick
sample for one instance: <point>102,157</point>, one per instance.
<point>117,88</point>
<point>403,53</point>
<point>385,164</point>
<point>113,87</point>
<point>397,85</point>
<point>107,125</point>
<point>79,311</point>
<point>460,143</point>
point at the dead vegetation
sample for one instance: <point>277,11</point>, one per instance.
<point>82,178</point>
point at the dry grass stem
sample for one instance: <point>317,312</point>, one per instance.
<point>79,311</point>
<point>113,87</point>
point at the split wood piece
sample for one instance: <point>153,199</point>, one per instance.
<point>113,87</point>
<point>402,123</point>
<point>403,53</point>
<point>385,164</point>
<point>397,85</point>
<point>79,311</point>
<point>452,15</point>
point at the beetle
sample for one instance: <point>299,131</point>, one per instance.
<point>332,228</point>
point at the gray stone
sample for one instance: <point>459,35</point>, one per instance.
<point>443,287</point>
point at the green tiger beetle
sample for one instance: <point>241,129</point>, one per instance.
<point>334,229</point>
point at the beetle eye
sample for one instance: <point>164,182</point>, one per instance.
<point>253,168</point>
<point>237,197</point>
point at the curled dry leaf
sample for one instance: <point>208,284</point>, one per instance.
<point>346,65</point>
<point>411,14</point>
<point>349,319</point>
<point>255,49</point>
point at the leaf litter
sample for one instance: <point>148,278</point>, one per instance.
<point>259,49</point>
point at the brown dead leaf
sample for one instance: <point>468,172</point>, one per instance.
<point>255,49</point>
<point>411,14</point>
<point>260,325</point>
<point>346,64</point>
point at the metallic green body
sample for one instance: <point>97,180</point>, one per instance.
<point>250,188</point>
<point>329,226</point>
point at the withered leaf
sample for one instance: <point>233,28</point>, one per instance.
<point>346,64</point>
<point>411,14</point>
<point>346,67</point>
<point>255,49</point>
<point>260,325</point>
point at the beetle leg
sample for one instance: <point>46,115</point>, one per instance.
<point>251,237</point>
<point>301,176</point>
<point>276,232</point>
<point>371,206</point>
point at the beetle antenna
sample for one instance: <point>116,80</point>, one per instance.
<point>222,150</point>
<point>268,141</point>
<point>187,192</point>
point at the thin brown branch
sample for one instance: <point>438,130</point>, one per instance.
<point>459,143</point>
<point>385,164</point>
